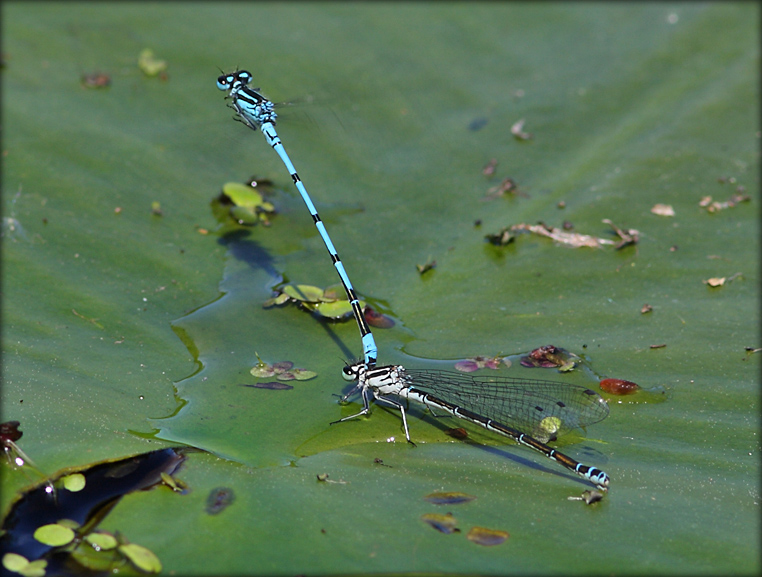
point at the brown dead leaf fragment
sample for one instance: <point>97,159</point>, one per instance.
<point>663,210</point>
<point>427,266</point>
<point>502,237</point>
<point>720,281</point>
<point>549,356</point>
<point>715,206</point>
<point>572,239</point>
<point>619,386</point>
<point>628,237</point>
<point>377,319</point>
<point>646,309</point>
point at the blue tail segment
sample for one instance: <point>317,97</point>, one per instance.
<point>258,113</point>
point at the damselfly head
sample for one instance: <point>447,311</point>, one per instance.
<point>225,81</point>
<point>352,372</point>
<point>234,80</point>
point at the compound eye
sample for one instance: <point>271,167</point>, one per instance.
<point>244,76</point>
<point>223,82</point>
<point>349,373</point>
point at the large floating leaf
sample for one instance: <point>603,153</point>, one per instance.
<point>129,324</point>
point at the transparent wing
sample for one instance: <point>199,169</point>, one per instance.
<point>543,409</point>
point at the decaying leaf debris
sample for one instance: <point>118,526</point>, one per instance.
<point>571,239</point>
<point>719,281</point>
<point>714,206</point>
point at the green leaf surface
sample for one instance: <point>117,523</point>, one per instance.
<point>142,558</point>
<point>124,332</point>
<point>242,195</point>
<point>100,540</point>
<point>75,482</point>
<point>54,535</point>
<point>14,562</point>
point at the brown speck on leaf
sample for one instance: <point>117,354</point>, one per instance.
<point>96,80</point>
<point>506,186</point>
<point>658,346</point>
<point>457,433</point>
<point>429,265</point>
<point>489,168</point>
<point>646,309</point>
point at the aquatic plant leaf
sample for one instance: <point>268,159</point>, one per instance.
<point>303,374</point>
<point>144,559</point>
<point>101,540</point>
<point>277,300</point>
<point>34,569</point>
<point>14,562</point>
<point>335,310</point>
<point>262,371</point>
<point>303,292</point>
<point>242,195</point>
<point>54,535</point>
<point>74,482</point>
<point>245,215</point>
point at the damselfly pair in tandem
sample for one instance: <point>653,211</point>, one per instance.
<point>531,412</point>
